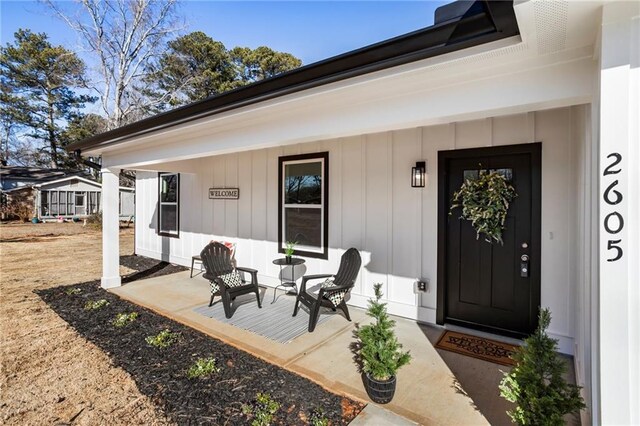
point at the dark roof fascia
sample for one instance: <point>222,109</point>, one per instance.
<point>497,21</point>
<point>37,174</point>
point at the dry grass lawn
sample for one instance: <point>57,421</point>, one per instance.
<point>49,374</point>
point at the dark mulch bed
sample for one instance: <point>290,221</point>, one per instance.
<point>147,268</point>
<point>161,373</point>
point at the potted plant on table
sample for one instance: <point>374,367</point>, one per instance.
<point>378,352</point>
<point>289,250</point>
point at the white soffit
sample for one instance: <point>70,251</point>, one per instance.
<point>551,26</point>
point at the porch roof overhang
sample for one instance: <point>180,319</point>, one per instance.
<point>550,64</point>
<point>481,22</point>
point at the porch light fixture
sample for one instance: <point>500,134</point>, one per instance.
<point>419,175</point>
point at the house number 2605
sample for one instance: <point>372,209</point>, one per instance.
<point>613,221</point>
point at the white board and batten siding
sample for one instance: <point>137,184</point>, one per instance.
<point>373,207</point>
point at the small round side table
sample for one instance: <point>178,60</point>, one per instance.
<point>291,284</point>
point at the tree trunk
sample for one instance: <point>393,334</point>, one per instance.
<point>52,135</point>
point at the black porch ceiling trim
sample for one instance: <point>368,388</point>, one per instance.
<point>459,25</point>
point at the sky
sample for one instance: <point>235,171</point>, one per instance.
<point>310,30</point>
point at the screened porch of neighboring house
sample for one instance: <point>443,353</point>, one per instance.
<point>70,203</point>
<point>78,197</point>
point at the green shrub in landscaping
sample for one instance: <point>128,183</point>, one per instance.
<point>203,367</point>
<point>262,410</point>
<point>123,319</point>
<point>164,339</point>
<point>93,305</point>
<point>317,418</point>
<point>71,291</point>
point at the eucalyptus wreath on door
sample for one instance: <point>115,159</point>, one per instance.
<point>485,202</point>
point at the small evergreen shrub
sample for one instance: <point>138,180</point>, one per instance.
<point>72,290</point>
<point>93,305</point>
<point>377,349</point>
<point>262,410</point>
<point>123,319</point>
<point>164,339</point>
<point>536,385</point>
<point>203,367</point>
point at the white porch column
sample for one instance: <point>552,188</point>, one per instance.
<point>619,287</point>
<point>110,228</point>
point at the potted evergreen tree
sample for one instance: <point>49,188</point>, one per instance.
<point>536,385</point>
<point>378,352</point>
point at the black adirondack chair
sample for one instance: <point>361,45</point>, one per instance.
<point>217,262</point>
<point>330,296</point>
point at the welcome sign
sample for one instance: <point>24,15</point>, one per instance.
<point>224,193</point>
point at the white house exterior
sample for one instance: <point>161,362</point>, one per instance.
<point>78,197</point>
<point>61,193</point>
<point>551,97</point>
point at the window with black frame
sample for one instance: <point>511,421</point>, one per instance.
<point>168,204</point>
<point>303,199</point>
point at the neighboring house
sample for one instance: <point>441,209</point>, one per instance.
<point>57,193</point>
<point>544,91</point>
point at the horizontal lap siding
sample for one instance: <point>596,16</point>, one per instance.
<point>372,207</point>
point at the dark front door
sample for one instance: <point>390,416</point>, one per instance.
<point>480,284</point>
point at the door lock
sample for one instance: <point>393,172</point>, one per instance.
<point>524,266</point>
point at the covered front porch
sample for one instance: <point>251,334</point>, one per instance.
<point>428,391</point>
<point>574,98</point>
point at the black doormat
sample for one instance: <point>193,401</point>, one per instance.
<point>477,347</point>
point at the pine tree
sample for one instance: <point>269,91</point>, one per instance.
<point>536,385</point>
<point>378,348</point>
<point>37,82</point>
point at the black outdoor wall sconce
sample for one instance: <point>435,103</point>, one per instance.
<point>419,175</point>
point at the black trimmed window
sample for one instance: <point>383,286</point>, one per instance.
<point>303,195</point>
<point>168,204</point>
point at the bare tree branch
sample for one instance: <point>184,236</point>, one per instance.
<point>125,36</point>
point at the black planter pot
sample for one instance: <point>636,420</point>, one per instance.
<point>288,259</point>
<point>380,392</point>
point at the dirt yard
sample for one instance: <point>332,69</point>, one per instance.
<point>49,374</point>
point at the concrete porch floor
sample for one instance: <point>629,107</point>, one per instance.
<point>427,393</point>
